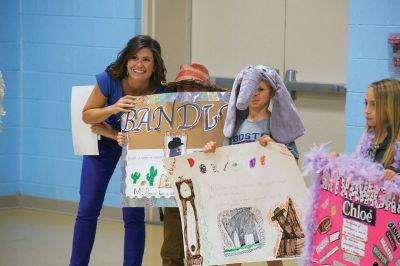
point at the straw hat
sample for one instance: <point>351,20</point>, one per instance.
<point>195,76</point>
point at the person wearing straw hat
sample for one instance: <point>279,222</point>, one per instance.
<point>191,78</point>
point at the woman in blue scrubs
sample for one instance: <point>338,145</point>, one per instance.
<point>138,70</point>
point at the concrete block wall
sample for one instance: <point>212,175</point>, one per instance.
<point>370,23</point>
<point>10,67</point>
<point>61,44</point>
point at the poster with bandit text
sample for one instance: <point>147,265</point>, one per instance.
<point>166,125</point>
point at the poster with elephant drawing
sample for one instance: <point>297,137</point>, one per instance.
<point>242,203</point>
<point>165,125</point>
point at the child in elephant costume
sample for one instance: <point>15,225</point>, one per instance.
<point>249,118</point>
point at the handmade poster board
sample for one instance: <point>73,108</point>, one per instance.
<point>354,216</point>
<point>239,204</point>
<point>166,125</point>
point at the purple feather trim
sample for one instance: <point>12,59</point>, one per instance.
<point>396,158</point>
<point>313,160</point>
<point>356,168</point>
<point>365,143</point>
<point>316,158</point>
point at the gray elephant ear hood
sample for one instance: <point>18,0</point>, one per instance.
<point>285,122</point>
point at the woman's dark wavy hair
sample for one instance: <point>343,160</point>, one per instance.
<point>117,69</point>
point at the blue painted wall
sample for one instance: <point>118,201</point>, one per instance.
<point>370,23</point>
<point>10,59</point>
<point>50,47</point>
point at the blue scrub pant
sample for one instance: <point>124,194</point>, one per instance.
<point>96,174</point>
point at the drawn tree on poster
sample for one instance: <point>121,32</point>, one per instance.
<point>2,112</point>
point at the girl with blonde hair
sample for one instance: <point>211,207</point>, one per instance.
<point>380,142</point>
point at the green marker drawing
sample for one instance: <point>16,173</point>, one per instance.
<point>234,164</point>
<point>150,176</point>
<point>135,177</point>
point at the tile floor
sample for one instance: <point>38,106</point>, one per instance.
<point>39,238</point>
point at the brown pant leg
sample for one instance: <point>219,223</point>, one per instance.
<point>172,252</point>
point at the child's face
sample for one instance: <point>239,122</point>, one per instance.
<point>262,97</point>
<point>370,107</point>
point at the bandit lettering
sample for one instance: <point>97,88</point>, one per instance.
<point>189,115</point>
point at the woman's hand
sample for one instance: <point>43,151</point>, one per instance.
<point>389,174</point>
<point>125,104</point>
<point>210,147</point>
<point>263,140</point>
<point>121,139</point>
<point>94,111</point>
<point>104,129</point>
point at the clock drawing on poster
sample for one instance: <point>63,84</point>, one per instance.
<point>192,239</point>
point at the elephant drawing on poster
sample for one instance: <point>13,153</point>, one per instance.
<point>242,222</point>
